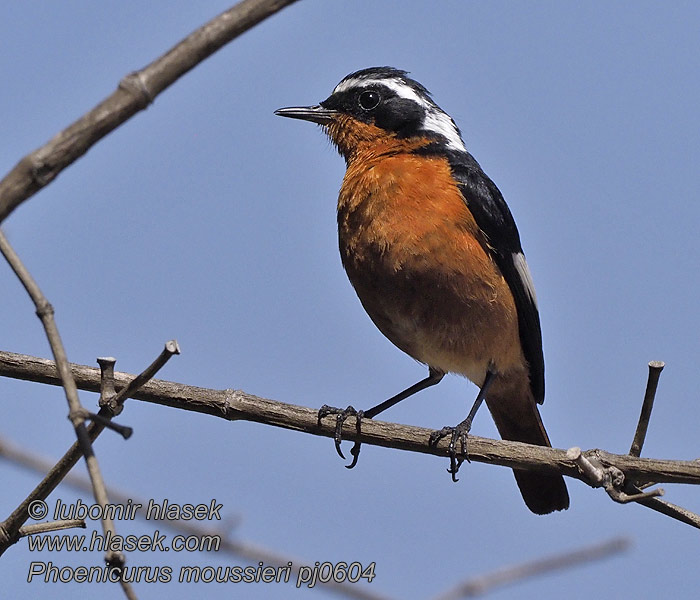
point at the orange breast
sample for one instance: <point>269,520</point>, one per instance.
<point>418,262</point>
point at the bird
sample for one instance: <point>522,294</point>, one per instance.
<point>434,255</point>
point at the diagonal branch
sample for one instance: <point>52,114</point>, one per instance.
<point>45,312</point>
<point>135,92</point>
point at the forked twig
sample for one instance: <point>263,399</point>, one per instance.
<point>11,525</point>
<point>621,486</point>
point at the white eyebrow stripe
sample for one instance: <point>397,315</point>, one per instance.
<point>435,121</point>
<point>344,86</point>
<point>524,272</point>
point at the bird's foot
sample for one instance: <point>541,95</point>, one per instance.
<point>342,416</point>
<point>459,433</point>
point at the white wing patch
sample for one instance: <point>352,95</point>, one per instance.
<point>435,120</point>
<point>524,272</point>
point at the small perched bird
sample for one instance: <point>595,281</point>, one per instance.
<point>434,255</point>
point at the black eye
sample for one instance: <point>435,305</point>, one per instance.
<point>369,100</point>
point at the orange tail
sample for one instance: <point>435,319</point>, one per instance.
<point>518,420</point>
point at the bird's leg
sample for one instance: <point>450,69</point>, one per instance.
<point>433,378</point>
<point>461,431</point>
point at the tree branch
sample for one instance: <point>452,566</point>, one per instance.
<point>239,405</point>
<point>53,525</point>
<point>134,93</point>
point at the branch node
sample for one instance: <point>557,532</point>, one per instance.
<point>135,84</point>
<point>115,560</point>
<point>78,416</point>
<point>41,173</point>
<point>616,486</point>
<point>6,537</point>
<point>625,498</point>
<point>44,309</point>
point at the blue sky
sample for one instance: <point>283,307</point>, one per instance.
<point>208,219</point>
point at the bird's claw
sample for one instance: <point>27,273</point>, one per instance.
<point>342,416</point>
<point>355,451</point>
<point>461,433</point>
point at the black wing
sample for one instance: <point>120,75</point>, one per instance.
<point>493,217</point>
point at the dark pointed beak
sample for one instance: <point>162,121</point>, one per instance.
<point>315,114</point>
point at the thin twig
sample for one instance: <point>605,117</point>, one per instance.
<point>128,590</point>
<point>171,349</point>
<point>246,550</point>
<point>54,525</point>
<point>655,368</point>
<point>122,430</point>
<point>482,584</point>
<point>45,312</point>
<point>671,510</point>
<point>135,92</point>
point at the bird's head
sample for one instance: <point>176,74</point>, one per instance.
<point>380,105</point>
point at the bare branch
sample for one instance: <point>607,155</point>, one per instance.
<point>238,405</point>
<point>45,312</point>
<point>53,525</point>
<point>135,92</point>
<point>483,584</point>
<point>76,414</point>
